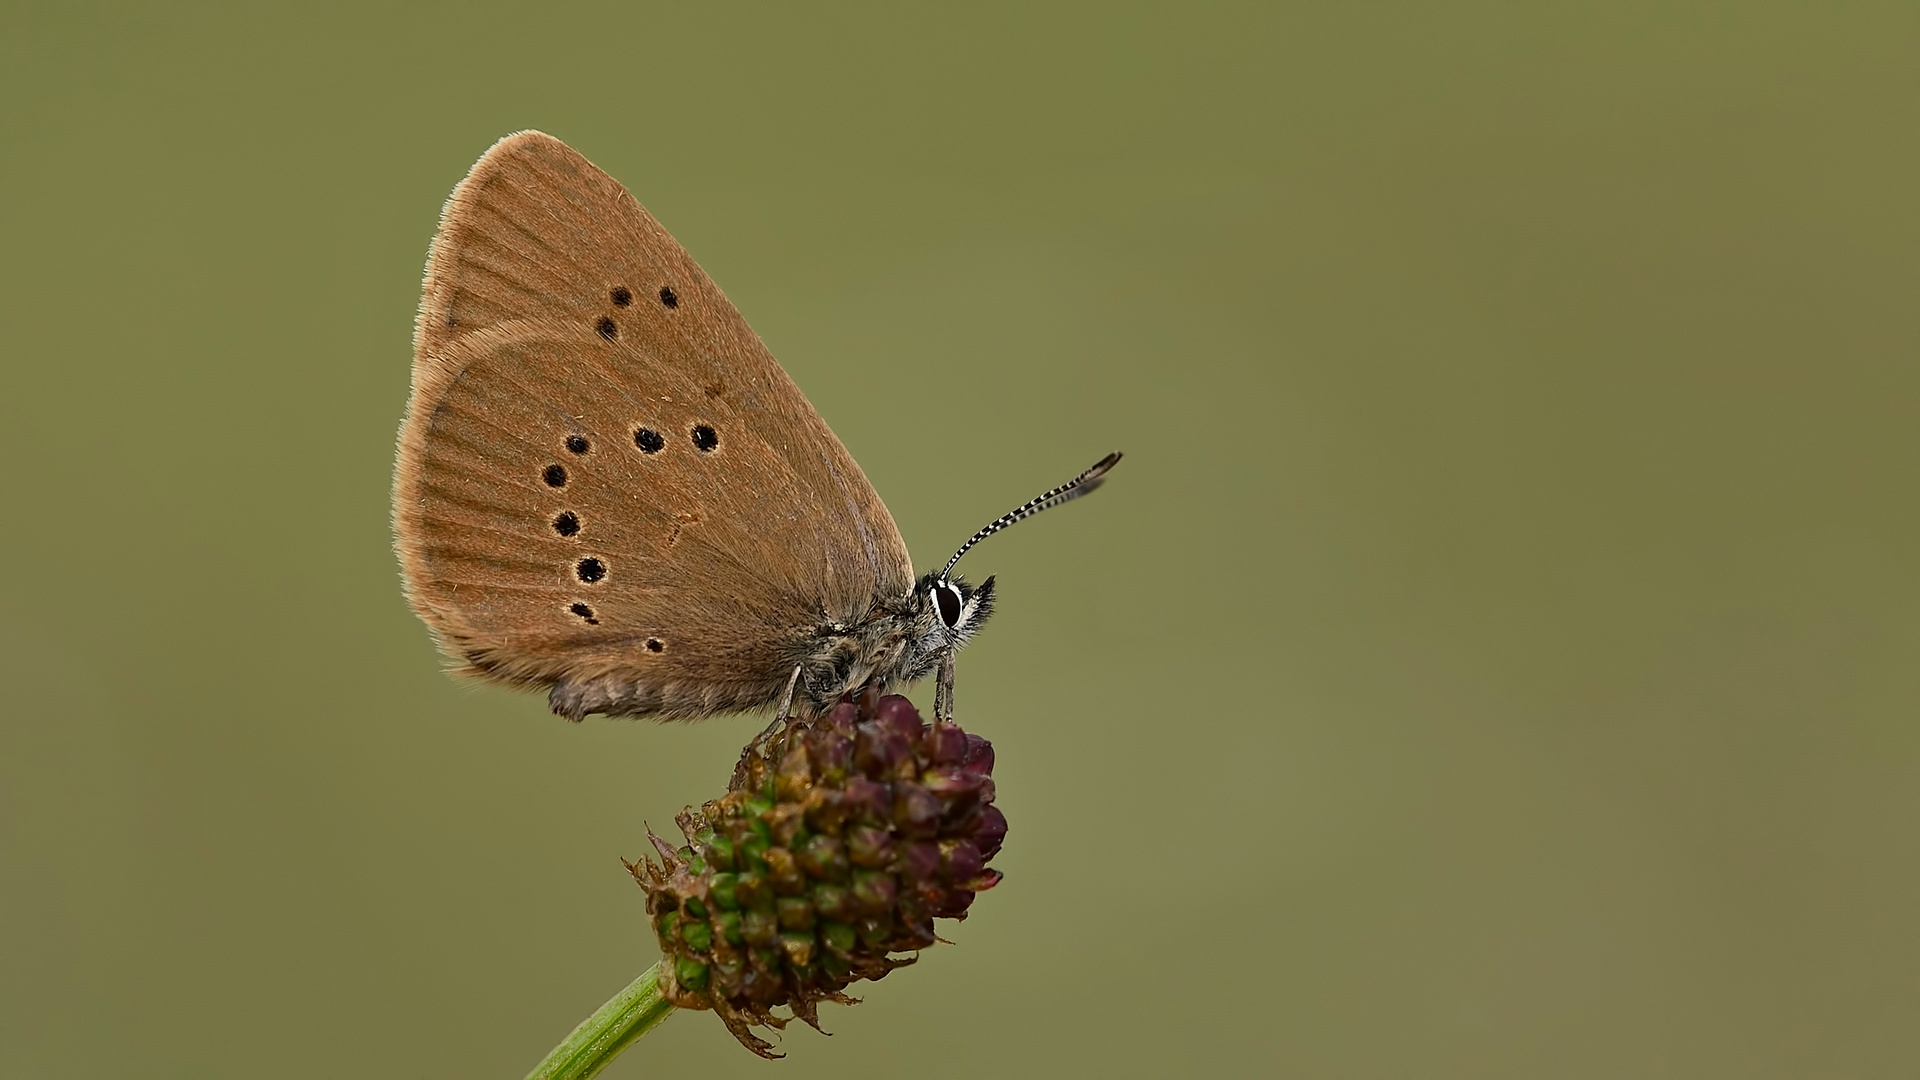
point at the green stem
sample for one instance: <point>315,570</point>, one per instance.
<point>612,1028</point>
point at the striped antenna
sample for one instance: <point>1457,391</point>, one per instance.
<point>1067,492</point>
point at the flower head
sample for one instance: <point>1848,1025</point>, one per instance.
<point>839,841</point>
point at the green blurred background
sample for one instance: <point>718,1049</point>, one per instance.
<point>1496,657</point>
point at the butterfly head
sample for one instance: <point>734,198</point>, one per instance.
<point>956,610</point>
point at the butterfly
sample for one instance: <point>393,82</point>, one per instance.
<point>608,488</point>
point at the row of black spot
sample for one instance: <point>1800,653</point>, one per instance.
<point>591,570</point>
<point>567,523</point>
<point>705,439</point>
<point>621,297</point>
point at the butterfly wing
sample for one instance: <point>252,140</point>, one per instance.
<point>606,484</point>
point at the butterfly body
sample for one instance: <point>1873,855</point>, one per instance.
<point>899,640</point>
<point>607,487</point>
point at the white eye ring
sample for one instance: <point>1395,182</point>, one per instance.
<point>948,603</point>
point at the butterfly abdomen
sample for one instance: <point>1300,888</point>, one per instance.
<point>618,694</point>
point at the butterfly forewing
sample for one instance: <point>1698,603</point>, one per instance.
<point>606,484</point>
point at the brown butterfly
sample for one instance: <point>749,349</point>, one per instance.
<point>607,487</point>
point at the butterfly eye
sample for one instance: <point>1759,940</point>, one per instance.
<point>947,599</point>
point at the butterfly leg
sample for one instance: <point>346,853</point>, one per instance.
<point>943,689</point>
<point>779,717</point>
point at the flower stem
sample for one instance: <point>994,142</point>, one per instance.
<point>612,1028</point>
